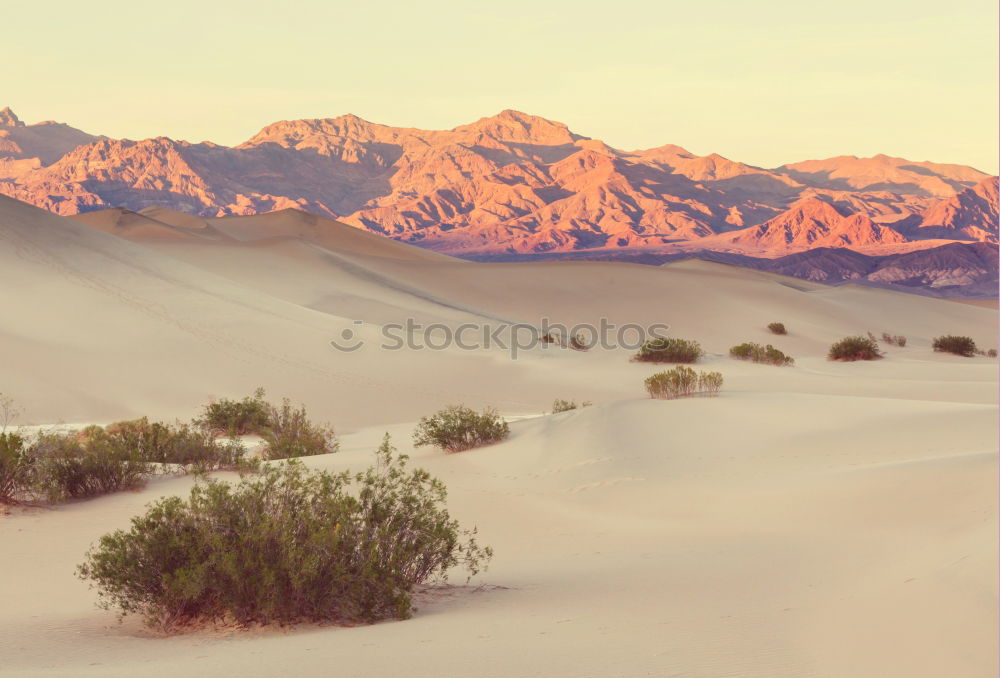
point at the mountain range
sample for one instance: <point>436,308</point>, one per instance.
<point>511,185</point>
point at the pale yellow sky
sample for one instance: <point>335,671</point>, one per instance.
<point>765,82</point>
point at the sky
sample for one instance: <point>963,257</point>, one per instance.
<point>765,82</point>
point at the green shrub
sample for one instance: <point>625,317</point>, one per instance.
<point>682,382</point>
<point>290,434</point>
<point>457,428</point>
<point>949,343</point>
<point>894,339</point>
<point>15,468</point>
<point>181,444</point>
<point>560,405</point>
<point>669,350</point>
<point>710,383</point>
<point>777,328</point>
<point>855,348</point>
<point>285,546</point>
<point>236,417</point>
<point>86,464</point>
<point>760,354</point>
<point>15,462</point>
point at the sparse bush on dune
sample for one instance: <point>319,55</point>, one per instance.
<point>285,546</point>
<point>290,433</point>
<point>682,382</point>
<point>181,444</point>
<point>15,468</point>
<point>710,383</point>
<point>855,348</point>
<point>560,405</point>
<point>457,428</point>
<point>15,463</point>
<point>992,353</point>
<point>669,350</point>
<point>777,328</point>
<point>760,354</point>
<point>89,463</point>
<point>236,417</point>
<point>894,339</point>
<point>949,343</point>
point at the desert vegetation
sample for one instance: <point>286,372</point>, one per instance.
<point>284,546</point>
<point>894,339</point>
<point>236,417</point>
<point>457,428</point>
<point>950,343</point>
<point>669,350</point>
<point>58,465</point>
<point>560,405</point>
<point>289,433</point>
<point>777,328</point>
<point>683,382</point>
<point>760,354</point>
<point>850,349</point>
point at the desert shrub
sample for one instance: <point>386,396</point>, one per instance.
<point>681,382</point>
<point>893,339</point>
<point>949,343</point>
<point>777,328</point>
<point>236,417</point>
<point>855,348</point>
<point>992,353</point>
<point>669,350</point>
<point>15,468</point>
<point>182,444</point>
<point>284,546</point>
<point>86,464</point>
<point>760,354</point>
<point>457,428</point>
<point>710,383</point>
<point>560,405</point>
<point>289,434</point>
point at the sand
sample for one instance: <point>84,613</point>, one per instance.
<point>828,519</point>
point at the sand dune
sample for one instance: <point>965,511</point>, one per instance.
<point>830,519</point>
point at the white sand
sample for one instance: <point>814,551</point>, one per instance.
<point>823,520</point>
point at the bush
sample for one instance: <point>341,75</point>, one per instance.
<point>963,346</point>
<point>669,350</point>
<point>15,468</point>
<point>777,328</point>
<point>560,405</point>
<point>760,354</point>
<point>457,428</point>
<point>86,464</point>
<point>894,339</point>
<point>288,545</point>
<point>992,353</point>
<point>236,417</point>
<point>682,382</point>
<point>710,383</point>
<point>289,434</point>
<point>180,444</point>
<point>855,348</point>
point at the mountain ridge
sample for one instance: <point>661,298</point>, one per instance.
<point>511,182</point>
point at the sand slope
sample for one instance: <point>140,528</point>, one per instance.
<point>824,520</point>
